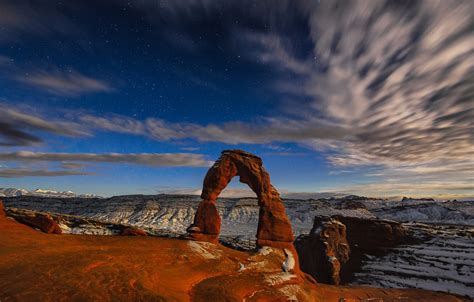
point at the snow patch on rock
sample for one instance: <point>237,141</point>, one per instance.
<point>265,250</point>
<point>278,278</point>
<point>291,292</point>
<point>204,249</point>
<point>289,264</point>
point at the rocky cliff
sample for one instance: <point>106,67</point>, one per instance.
<point>389,254</point>
<point>333,249</point>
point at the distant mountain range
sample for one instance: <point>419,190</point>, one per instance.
<point>13,192</point>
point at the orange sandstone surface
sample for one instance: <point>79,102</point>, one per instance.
<point>35,266</point>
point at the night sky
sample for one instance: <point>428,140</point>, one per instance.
<point>115,97</point>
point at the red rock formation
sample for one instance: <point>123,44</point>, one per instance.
<point>2,209</point>
<point>323,252</point>
<point>131,231</point>
<point>41,221</point>
<point>274,228</point>
<point>334,249</point>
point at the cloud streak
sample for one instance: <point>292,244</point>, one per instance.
<point>21,18</point>
<point>146,159</point>
<point>439,189</point>
<point>264,131</point>
<point>20,128</point>
<point>395,74</point>
<point>64,83</point>
<point>385,85</point>
<point>17,173</point>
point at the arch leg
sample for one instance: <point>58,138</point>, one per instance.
<point>207,222</point>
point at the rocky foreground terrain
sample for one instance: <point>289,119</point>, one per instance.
<point>37,266</point>
<point>441,257</point>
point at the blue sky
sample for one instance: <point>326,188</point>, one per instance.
<point>117,97</point>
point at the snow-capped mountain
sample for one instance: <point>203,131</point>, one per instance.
<point>12,192</point>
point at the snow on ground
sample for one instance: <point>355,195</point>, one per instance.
<point>204,249</point>
<point>279,278</point>
<point>174,213</point>
<point>291,292</point>
<point>445,262</point>
<point>428,212</point>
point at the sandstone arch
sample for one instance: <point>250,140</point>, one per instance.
<point>274,228</point>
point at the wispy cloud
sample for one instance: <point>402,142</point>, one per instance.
<point>266,130</point>
<point>114,123</point>
<point>70,166</point>
<point>16,173</point>
<point>19,18</point>
<point>383,84</point>
<point>438,189</point>
<point>261,131</point>
<point>19,127</point>
<point>14,137</point>
<point>65,83</point>
<point>396,75</point>
<point>147,159</point>
<point>190,148</point>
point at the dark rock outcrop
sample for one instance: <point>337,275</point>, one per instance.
<point>323,252</point>
<point>41,221</point>
<point>373,234</point>
<point>351,204</point>
<point>132,231</point>
<point>408,199</point>
<point>274,228</point>
<point>334,249</point>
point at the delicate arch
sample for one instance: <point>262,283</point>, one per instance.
<point>273,225</point>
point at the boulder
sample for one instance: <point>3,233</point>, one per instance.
<point>273,226</point>
<point>42,221</point>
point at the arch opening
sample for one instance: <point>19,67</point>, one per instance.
<point>273,223</point>
<point>238,207</point>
